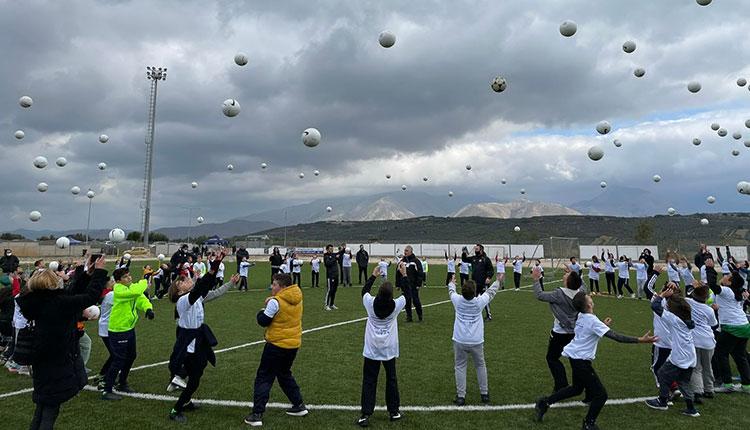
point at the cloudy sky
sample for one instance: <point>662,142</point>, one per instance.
<point>421,108</point>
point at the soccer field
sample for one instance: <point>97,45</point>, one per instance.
<point>329,369</point>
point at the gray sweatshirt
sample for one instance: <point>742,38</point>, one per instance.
<point>561,304</point>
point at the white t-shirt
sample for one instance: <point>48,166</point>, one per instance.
<point>517,266</point>
<point>640,271</point>
<point>704,318</point>
<point>190,316</point>
<point>104,310</point>
<point>593,274</point>
<point>661,330</point>
<point>315,263</point>
<point>468,324</point>
<point>199,269</point>
<point>19,321</point>
<point>243,268</point>
<point>297,266</point>
<point>623,270</point>
<point>672,273</point>
<point>704,277</point>
<point>541,269</point>
<point>575,267</point>
<point>451,266</point>
<point>500,266</point>
<point>346,260</point>
<point>284,267</point>
<point>272,308</point>
<point>383,267</point>
<point>589,329</point>
<point>608,267</point>
<point>381,335</point>
<point>464,267</point>
<point>725,268</point>
<point>220,272</point>
<point>686,275</point>
<point>730,310</point>
<point>683,346</point>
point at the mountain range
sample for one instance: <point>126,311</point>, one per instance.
<point>404,205</point>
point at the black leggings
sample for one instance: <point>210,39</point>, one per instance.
<point>584,378</point>
<point>610,277</point>
<point>623,282</point>
<point>593,283</point>
<point>297,278</point>
<point>517,280</point>
<point>315,279</point>
<point>557,341</point>
<point>362,272</point>
<point>370,372</point>
<point>333,286</point>
<point>194,368</point>
<point>726,345</point>
<point>243,283</point>
<point>107,363</point>
<point>44,417</point>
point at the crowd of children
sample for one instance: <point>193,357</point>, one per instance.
<point>698,324</point>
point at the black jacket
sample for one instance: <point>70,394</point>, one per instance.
<point>362,258</point>
<point>58,367</point>
<point>414,270</point>
<point>330,260</point>
<point>276,260</point>
<point>178,259</point>
<point>481,267</point>
<point>8,264</point>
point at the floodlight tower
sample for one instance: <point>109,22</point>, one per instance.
<point>154,74</point>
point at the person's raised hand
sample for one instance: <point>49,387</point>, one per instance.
<point>100,262</point>
<point>235,279</point>
<point>607,321</point>
<point>376,271</point>
<point>536,273</point>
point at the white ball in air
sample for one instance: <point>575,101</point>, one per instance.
<point>19,134</point>
<point>160,257</point>
<point>498,84</point>
<point>240,59</point>
<point>231,107</point>
<point>62,242</point>
<point>715,126</point>
<point>116,235</point>
<point>25,101</point>
<point>696,141</point>
<point>639,72</point>
<point>75,190</point>
<point>311,137</point>
<point>42,187</point>
<point>711,200</point>
<point>741,82</point>
<point>193,185</point>
<point>230,167</point>
<point>722,132</point>
<point>656,178</point>
<point>61,162</point>
<point>468,167</point>
<point>704,221</point>
<point>628,47</point>
<point>617,143</point>
<point>387,176</point>
<point>516,229</point>
<point>301,175</point>
<point>596,153</point>
<point>737,135</point>
<point>316,172</point>
<point>450,193</point>
<point>263,165</point>
<point>671,211</point>
<point>329,209</point>
<point>403,187</point>
<point>102,166</point>
<point>35,216</point>
<point>90,194</point>
<point>735,152</point>
<point>103,138</point>
<point>743,187</point>
<point>40,162</point>
<point>387,39</point>
<point>200,220</point>
<point>603,184</point>
<point>694,86</point>
<point>568,28</point>
<point>703,2</point>
<point>603,127</point>
<point>523,191</point>
<point>503,181</point>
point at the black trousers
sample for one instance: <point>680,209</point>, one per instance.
<point>333,285</point>
<point>362,272</point>
<point>464,277</point>
<point>122,347</point>
<point>541,283</point>
<point>481,287</point>
<point>668,374</point>
<point>107,363</point>
<point>274,270</point>
<point>623,282</point>
<point>412,297</point>
<point>517,279</point>
<point>194,368</point>
<point>296,278</point>
<point>341,273</point>
<point>44,417</point>
<point>659,356</point>
<point>726,345</point>
<point>315,279</point>
<point>370,372</point>
<point>275,363</point>
<point>557,342</point>
<point>584,378</point>
<point>610,277</point>
<point>243,283</point>
<point>593,283</point>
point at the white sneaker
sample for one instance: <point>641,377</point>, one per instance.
<point>179,382</point>
<point>328,308</point>
<point>334,307</point>
<point>632,296</point>
<point>619,296</point>
<point>517,289</point>
<point>725,388</point>
<point>24,370</point>
<point>172,387</point>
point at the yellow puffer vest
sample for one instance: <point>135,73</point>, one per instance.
<point>285,330</point>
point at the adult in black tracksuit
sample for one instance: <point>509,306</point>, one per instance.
<point>8,262</point>
<point>362,259</point>
<point>276,260</point>
<point>482,271</point>
<point>59,374</point>
<point>330,261</point>
<point>649,259</point>
<point>178,259</point>
<point>410,283</point>
<point>701,256</point>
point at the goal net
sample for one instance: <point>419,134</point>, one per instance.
<point>560,251</point>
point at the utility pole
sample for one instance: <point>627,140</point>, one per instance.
<point>154,74</point>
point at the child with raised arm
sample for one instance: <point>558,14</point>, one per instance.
<point>561,304</point>
<point>661,349</point>
<point>518,270</point>
<point>468,335</point>
<point>381,346</point>
<point>641,276</point>
<point>582,351</point>
<point>609,271</point>
<point>704,317</point>
<point>594,270</point>
<point>679,366</point>
<point>500,269</point>
<point>451,267</point>
<point>623,276</point>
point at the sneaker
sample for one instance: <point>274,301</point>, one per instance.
<point>488,317</point>
<point>725,388</point>
<point>334,307</point>
<point>589,426</point>
<point>24,370</point>
<point>675,395</point>
<point>632,296</point>
<point>254,420</point>
<point>363,421</point>
<point>328,308</point>
<point>173,387</point>
<point>177,417</point>
<point>708,395</point>
<point>180,382</point>
<point>619,296</point>
<point>395,416</point>
<point>108,395</point>
<point>485,398</point>
<point>100,385</point>
<point>541,408</point>
<point>124,388</point>
<point>657,404</point>
<point>190,407</point>
<point>297,411</point>
<point>517,289</point>
<point>459,401</point>
<point>691,413</point>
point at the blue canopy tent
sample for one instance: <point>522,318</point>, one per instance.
<point>216,241</point>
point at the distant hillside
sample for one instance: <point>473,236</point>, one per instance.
<point>677,232</point>
<point>622,201</point>
<point>516,209</point>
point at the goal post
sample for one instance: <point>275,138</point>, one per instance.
<point>561,249</point>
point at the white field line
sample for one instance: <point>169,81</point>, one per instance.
<point>257,342</point>
<point>327,407</point>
